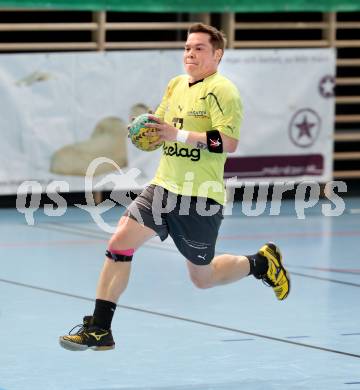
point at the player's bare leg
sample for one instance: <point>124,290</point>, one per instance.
<point>95,332</point>
<point>266,265</point>
<point>114,276</point>
<point>223,269</point>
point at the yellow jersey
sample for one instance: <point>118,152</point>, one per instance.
<point>210,104</point>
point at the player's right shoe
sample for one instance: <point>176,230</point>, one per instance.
<point>88,336</point>
<point>276,276</point>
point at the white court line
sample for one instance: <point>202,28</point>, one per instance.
<point>354,211</point>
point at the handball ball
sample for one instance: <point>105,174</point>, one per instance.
<point>137,136</point>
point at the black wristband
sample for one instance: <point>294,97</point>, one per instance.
<point>214,141</point>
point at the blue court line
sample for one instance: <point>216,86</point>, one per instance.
<point>72,230</point>
<point>350,334</point>
<point>189,320</point>
<point>352,383</point>
<point>325,279</point>
<point>234,340</point>
<point>341,271</point>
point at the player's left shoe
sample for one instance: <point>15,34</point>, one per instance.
<point>276,276</point>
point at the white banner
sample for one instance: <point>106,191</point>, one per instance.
<point>289,108</point>
<point>60,111</point>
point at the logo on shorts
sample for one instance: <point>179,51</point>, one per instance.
<point>202,257</point>
<point>195,244</point>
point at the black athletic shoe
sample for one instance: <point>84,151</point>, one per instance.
<point>88,336</point>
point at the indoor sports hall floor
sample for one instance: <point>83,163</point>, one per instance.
<point>170,335</point>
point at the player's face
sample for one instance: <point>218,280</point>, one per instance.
<point>200,58</point>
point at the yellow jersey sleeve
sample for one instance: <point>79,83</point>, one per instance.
<point>225,108</point>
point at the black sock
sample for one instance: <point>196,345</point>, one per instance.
<point>103,313</point>
<point>258,265</point>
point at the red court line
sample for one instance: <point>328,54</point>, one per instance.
<point>25,244</point>
<point>292,234</point>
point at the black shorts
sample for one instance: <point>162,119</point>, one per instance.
<point>192,222</point>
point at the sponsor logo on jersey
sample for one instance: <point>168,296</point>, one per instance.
<point>197,114</point>
<point>193,154</point>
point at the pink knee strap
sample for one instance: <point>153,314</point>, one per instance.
<point>125,252</point>
<point>120,254</point>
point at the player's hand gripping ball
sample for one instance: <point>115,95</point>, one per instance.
<point>137,134</point>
